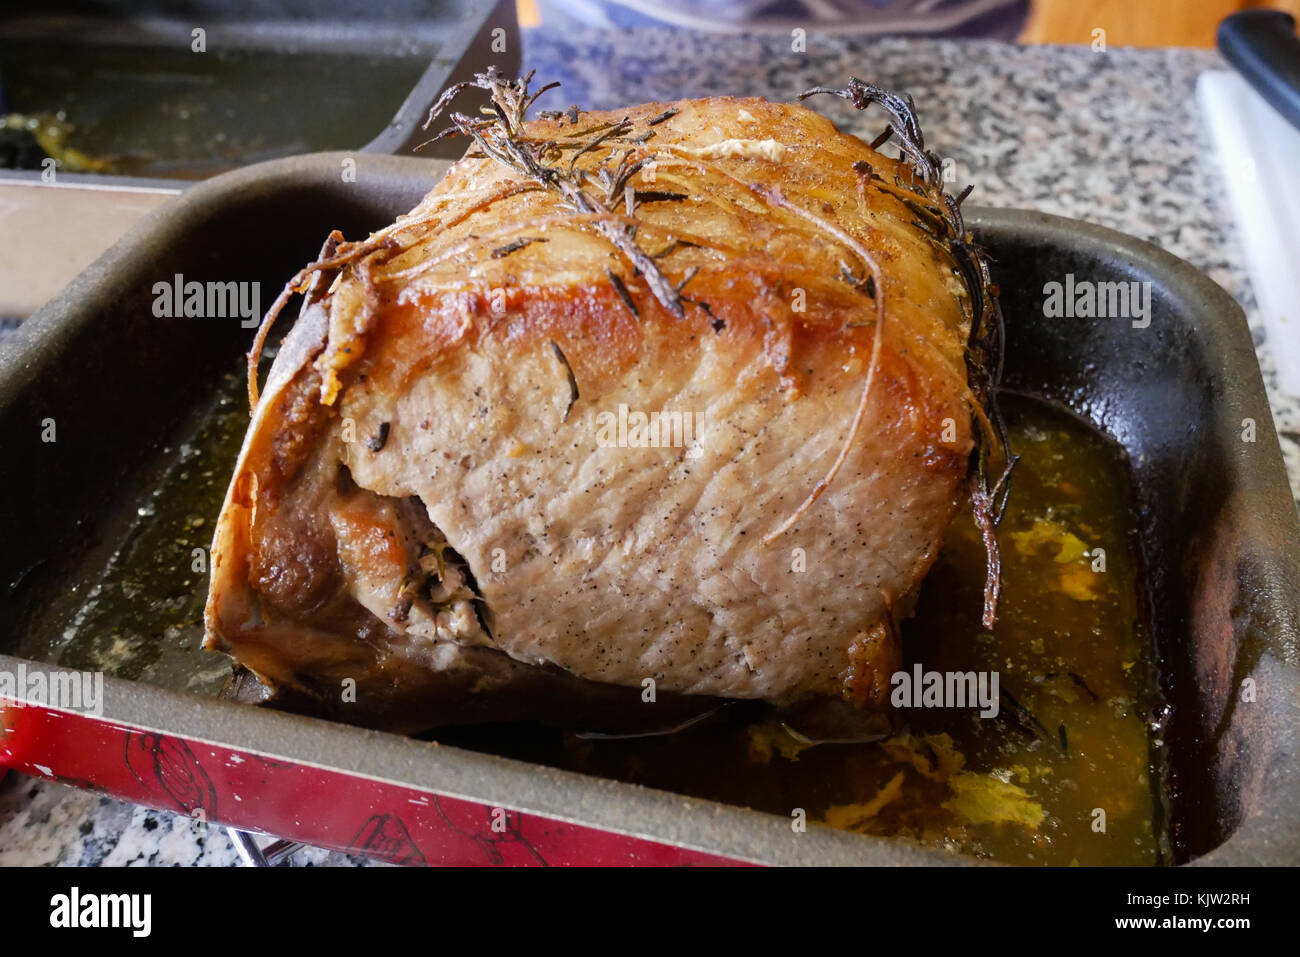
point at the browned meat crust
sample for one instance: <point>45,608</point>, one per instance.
<point>434,472</point>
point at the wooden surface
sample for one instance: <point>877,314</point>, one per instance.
<point>1143,23</point>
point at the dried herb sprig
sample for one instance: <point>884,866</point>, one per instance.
<point>513,247</point>
<point>573,381</point>
<point>939,214</point>
<point>499,135</point>
<point>1022,717</point>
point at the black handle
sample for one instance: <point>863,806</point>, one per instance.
<point>1263,46</point>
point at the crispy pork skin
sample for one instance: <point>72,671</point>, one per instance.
<point>488,449</point>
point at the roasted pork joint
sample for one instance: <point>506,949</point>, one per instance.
<point>673,397</point>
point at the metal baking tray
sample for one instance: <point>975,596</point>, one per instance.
<point>1216,522</point>
<point>157,91</point>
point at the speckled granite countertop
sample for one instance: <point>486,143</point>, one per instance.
<point>1113,138</point>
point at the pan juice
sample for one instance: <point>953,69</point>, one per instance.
<point>1067,768</point>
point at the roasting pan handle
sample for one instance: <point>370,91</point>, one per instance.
<point>1263,46</point>
<point>495,42</point>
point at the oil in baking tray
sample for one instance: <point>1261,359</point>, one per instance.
<point>1070,771</point>
<point>143,620</point>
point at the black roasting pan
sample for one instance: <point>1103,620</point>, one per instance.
<point>156,89</point>
<point>1217,524</point>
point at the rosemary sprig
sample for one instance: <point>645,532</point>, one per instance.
<point>939,215</point>
<point>499,135</point>
<point>621,288</point>
<point>573,381</point>
<point>502,251</point>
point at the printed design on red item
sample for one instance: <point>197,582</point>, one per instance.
<point>497,832</point>
<point>168,770</point>
<point>386,837</point>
